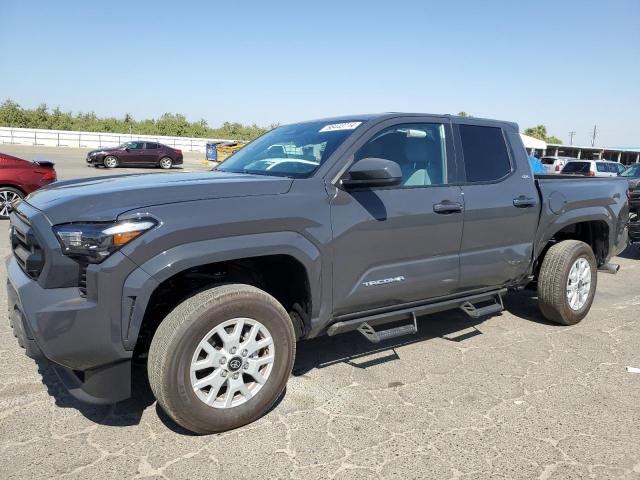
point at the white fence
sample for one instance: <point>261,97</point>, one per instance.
<point>66,138</point>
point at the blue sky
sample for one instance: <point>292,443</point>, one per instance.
<point>568,64</point>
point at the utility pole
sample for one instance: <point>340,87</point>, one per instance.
<point>571,134</point>
<point>593,137</point>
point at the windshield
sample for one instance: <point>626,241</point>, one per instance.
<point>633,171</point>
<point>291,150</point>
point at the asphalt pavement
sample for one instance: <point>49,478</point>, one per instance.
<point>511,396</point>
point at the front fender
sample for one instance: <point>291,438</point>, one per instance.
<point>141,283</point>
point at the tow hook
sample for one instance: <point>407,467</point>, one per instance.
<point>609,268</point>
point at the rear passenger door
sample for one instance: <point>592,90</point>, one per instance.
<point>151,152</point>
<point>502,206</point>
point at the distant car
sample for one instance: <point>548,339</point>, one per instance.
<point>554,164</point>
<point>19,177</point>
<point>593,168</point>
<point>139,154</point>
<point>633,175</point>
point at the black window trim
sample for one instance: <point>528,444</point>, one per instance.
<point>460,154</point>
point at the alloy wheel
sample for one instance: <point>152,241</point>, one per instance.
<point>7,197</point>
<point>232,363</point>
<point>579,283</point>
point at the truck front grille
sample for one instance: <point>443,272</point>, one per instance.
<point>25,247</point>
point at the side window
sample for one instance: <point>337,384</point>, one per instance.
<point>136,145</point>
<point>602,167</point>
<point>485,153</point>
<point>419,149</point>
<point>152,146</point>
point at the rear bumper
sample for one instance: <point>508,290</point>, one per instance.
<point>58,326</point>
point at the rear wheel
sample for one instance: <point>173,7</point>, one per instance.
<point>567,282</point>
<point>166,163</point>
<point>110,161</point>
<point>221,358</point>
<point>8,195</point>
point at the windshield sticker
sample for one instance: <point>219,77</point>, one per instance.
<point>340,126</point>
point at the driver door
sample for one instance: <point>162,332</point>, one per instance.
<point>133,154</point>
<point>396,245</point>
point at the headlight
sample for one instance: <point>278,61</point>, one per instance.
<point>96,241</point>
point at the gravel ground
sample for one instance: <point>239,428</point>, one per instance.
<point>510,396</point>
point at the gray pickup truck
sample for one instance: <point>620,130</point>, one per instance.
<point>323,227</point>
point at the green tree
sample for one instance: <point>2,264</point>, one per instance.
<point>540,132</point>
<point>12,115</point>
<point>463,114</point>
<point>172,124</point>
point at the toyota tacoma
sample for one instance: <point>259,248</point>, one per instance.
<point>353,223</point>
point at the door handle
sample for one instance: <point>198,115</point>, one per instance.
<point>447,206</point>
<point>524,202</point>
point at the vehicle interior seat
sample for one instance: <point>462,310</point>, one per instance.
<point>414,166</point>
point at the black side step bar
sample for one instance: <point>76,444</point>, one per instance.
<point>366,324</point>
<point>377,336</point>
<point>475,312</point>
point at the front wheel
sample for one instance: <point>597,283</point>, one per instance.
<point>567,282</point>
<point>221,358</point>
<point>110,161</point>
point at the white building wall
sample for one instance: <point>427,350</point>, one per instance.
<point>66,138</point>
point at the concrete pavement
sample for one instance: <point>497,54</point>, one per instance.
<point>510,396</point>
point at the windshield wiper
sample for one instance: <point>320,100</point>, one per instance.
<point>258,172</point>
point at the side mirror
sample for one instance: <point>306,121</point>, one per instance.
<point>372,172</point>
<point>126,149</point>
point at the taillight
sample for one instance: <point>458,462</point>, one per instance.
<point>557,168</point>
<point>179,152</point>
<point>48,174</point>
<point>591,173</point>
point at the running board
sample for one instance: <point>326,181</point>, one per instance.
<point>376,336</point>
<point>475,312</point>
<point>375,319</point>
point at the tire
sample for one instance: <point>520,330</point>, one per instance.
<point>554,297</point>
<point>8,195</point>
<point>110,161</point>
<point>165,163</point>
<point>178,339</point>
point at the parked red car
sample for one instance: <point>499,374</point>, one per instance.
<point>19,178</point>
<point>137,153</point>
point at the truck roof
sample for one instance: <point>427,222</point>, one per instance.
<point>366,117</point>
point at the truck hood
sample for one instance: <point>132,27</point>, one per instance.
<point>104,198</point>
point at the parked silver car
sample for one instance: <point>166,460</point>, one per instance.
<point>593,168</point>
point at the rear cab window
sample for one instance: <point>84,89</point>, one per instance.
<point>485,154</point>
